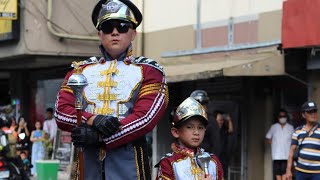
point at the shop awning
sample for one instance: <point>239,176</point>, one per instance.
<point>300,23</point>
<point>188,69</point>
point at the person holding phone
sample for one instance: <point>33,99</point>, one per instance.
<point>23,136</point>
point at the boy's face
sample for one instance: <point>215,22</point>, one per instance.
<point>190,134</point>
<point>49,115</point>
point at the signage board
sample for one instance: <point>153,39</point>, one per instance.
<point>9,9</point>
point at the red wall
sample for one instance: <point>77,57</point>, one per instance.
<point>301,23</point>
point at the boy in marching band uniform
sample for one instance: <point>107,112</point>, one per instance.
<point>188,127</point>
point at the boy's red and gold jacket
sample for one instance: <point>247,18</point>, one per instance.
<point>134,90</point>
<point>182,165</point>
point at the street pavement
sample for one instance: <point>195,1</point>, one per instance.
<point>62,175</point>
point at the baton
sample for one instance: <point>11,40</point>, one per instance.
<point>77,81</point>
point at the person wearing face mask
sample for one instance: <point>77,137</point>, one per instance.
<point>279,136</point>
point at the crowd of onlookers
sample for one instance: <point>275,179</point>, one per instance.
<point>30,145</point>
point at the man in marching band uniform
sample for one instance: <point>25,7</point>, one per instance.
<point>125,98</point>
<point>188,127</point>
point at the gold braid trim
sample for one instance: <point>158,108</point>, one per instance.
<point>68,90</point>
<point>137,164</point>
<point>195,170</point>
<point>149,92</point>
<point>148,86</point>
<point>164,177</point>
<point>143,172</point>
<point>166,100</point>
<point>217,169</point>
<point>65,86</point>
<point>130,52</point>
<point>147,89</point>
<point>155,88</point>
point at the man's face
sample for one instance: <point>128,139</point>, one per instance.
<point>116,36</point>
<point>311,116</point>
<point>220,120</point>
<point>282,117</point>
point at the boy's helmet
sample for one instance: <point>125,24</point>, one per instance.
<point>201,96</point>
<point>187,109</point>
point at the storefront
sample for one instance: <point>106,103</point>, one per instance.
<point>251,85</point>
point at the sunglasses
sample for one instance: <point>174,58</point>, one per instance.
<point>122,27</point>
<point>283,116</point>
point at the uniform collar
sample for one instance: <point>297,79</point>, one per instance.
<point>184,150</point>
<point>123,57</point>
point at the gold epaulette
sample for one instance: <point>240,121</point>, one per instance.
<point>92,60</point>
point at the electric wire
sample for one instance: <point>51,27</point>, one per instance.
<point>75,15</point>
<point>52,22</point>
<point>43,16</point>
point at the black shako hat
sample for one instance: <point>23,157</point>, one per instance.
<point>115,9</point>
<point>309,106</point>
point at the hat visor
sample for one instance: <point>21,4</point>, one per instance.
<point>310,109</point>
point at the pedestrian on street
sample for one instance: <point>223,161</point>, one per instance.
<point>23,143</point>
<point>50,128</point>
<point>36,138</point>
<point>305,146</point>
<point>224,144</point>
<point>125,98</point>
<point>279,136</point>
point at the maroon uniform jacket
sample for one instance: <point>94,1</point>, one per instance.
<point>132,89</point>
<point>182,165</point>
<point>139,103</point>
